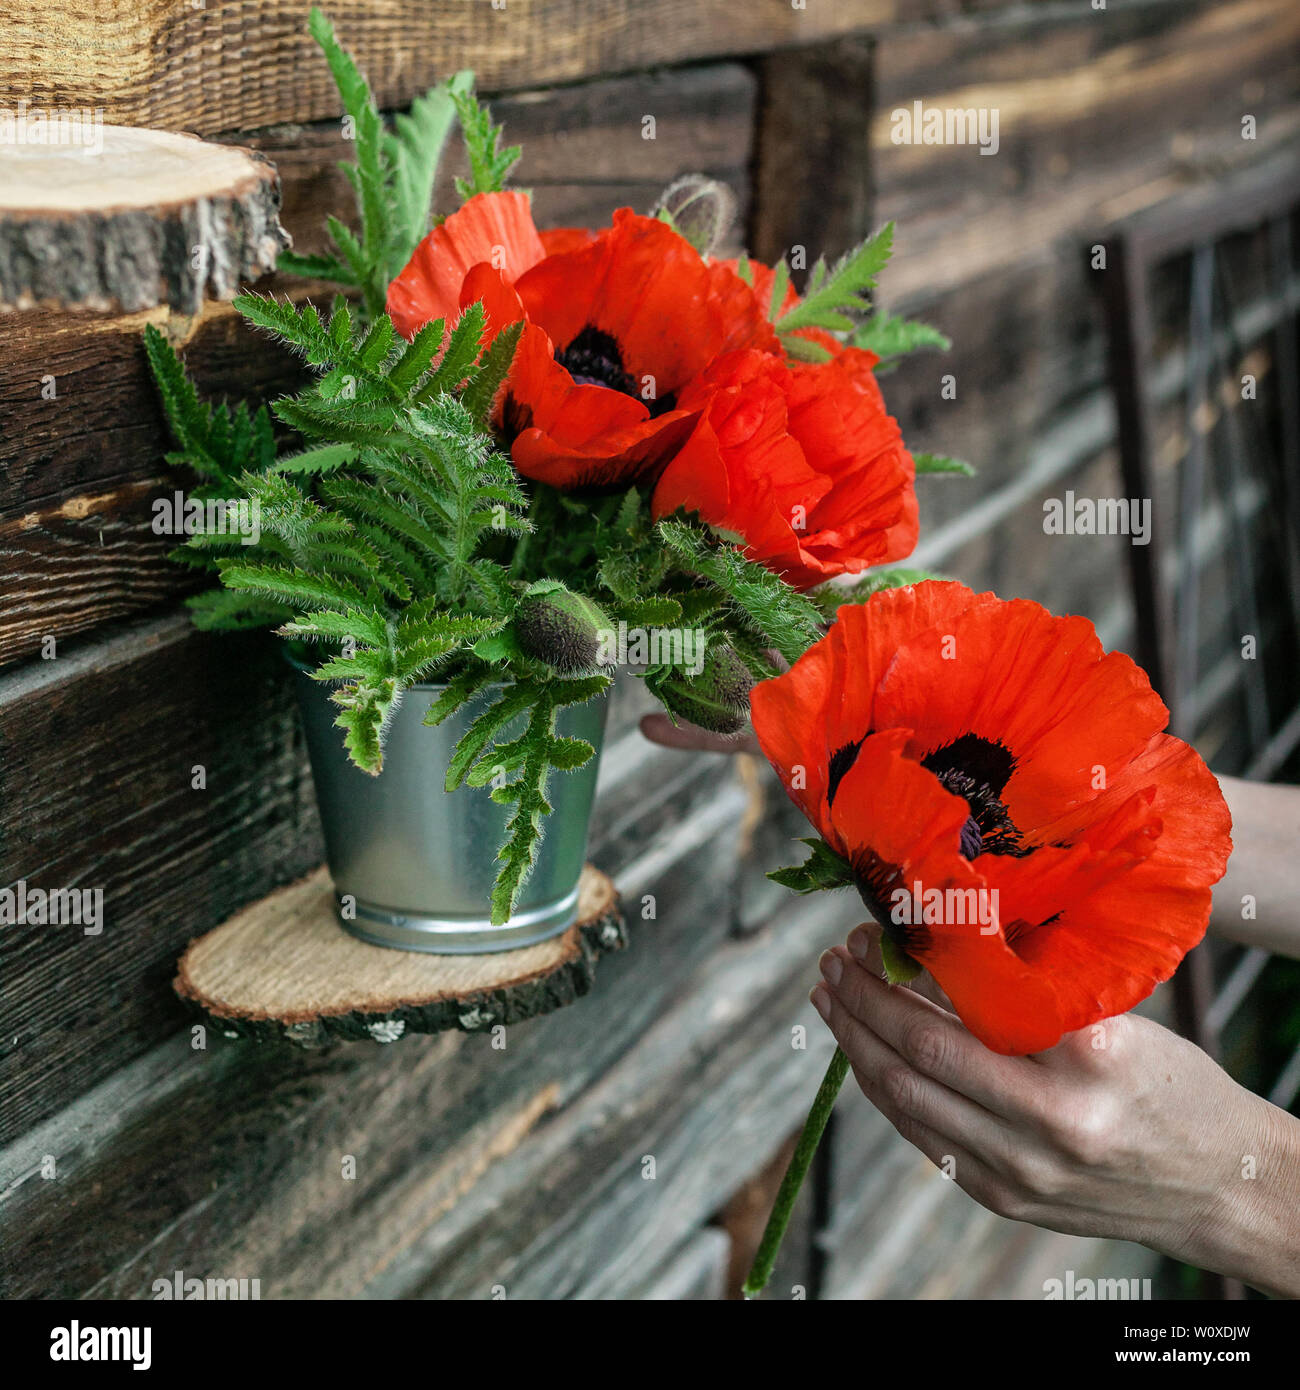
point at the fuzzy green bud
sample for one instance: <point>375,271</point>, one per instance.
<point>698,208</point>
<point>554,625</point>
<point>718,698</point>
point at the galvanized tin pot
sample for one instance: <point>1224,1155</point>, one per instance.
<point>419,862</point>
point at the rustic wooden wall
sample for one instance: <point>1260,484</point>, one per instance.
<point>523,1168</point>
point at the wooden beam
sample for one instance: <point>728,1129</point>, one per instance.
<point>812,185</point>
<point>227,65</point>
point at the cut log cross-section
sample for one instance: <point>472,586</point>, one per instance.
<point>284,969</point>
<point>124,220</point>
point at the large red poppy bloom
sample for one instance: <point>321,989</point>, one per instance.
<point>802,465</point>
<point>618,323</point>
<point>954,741</point>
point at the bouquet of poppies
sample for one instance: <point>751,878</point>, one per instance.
<point>520,446</point>
<point>521,440</point>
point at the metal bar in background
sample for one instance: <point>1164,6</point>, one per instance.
<point>1236,987</point>
<point>1288,370</point>
<point>1129,324</point>
<point>1287,1086</point>
<point>1244,580</point>
<point>1200,355</point>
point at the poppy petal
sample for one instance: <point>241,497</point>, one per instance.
<point>644,286</point>
<point>493,227</point>
<point>825,703</point>
<point>1041,686</point>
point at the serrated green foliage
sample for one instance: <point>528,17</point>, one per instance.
<point>489,163</point>
<point>479,395</point>
<point>780,283</point>
<point>938,463</point>
<point>761,601</point>
<point>392,177</point>
<point>460,355</point>
<point>822,869</point>
<point>803,349</point>
<point>414,149</point>
<point>891,337</point>
<point>834,298</point>
<point>218,444</point>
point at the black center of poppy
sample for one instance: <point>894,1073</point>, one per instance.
<point>977,769</point>
<point>594,358</point>
<point>842,759</point>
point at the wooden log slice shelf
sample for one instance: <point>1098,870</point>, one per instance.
<point>283,969</point>
<point>150,218</point>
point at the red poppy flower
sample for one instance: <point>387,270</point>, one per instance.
<point>943,741</point>
<point>801,464</point>
<point>618,322</point>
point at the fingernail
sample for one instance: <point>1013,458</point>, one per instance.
<point>858,944</point>
<point>820,1000</point>
<point>832,967</point>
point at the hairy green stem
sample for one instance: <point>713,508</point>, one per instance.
<point>769,1247</point>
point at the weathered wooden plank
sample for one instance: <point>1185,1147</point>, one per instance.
<point>252,1139</point>
<point>226,65</point>
<point>1066,573</point>
<point>1027,346</point>
<point>81,460</point>
<point>88,804</point>
<point>812,184</point>
<point>696,1271</point>
<point>587,149</point>
<point>81,413</point>
<point>83,561</point>
<point>708,1093</point>
<point>1095,109</point>
<point>98,757</point>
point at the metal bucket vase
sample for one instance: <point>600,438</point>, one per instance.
<point>417,862</point>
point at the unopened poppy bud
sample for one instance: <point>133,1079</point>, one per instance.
<point>561,628</point>
<point>718,698</point>
<point>698,208</point>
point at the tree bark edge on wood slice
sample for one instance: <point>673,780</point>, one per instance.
<point>284,970</point>
<point>151,218</point>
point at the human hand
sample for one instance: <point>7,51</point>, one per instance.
<point>659,728</point>
<point>1123,1130</point>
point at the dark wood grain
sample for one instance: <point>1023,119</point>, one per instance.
<point>812,181</point>
<point>97,755</point>
<point>237,1148</point>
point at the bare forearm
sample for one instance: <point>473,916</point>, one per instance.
<point>1255,1233</point>
<point>1256,902</point>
